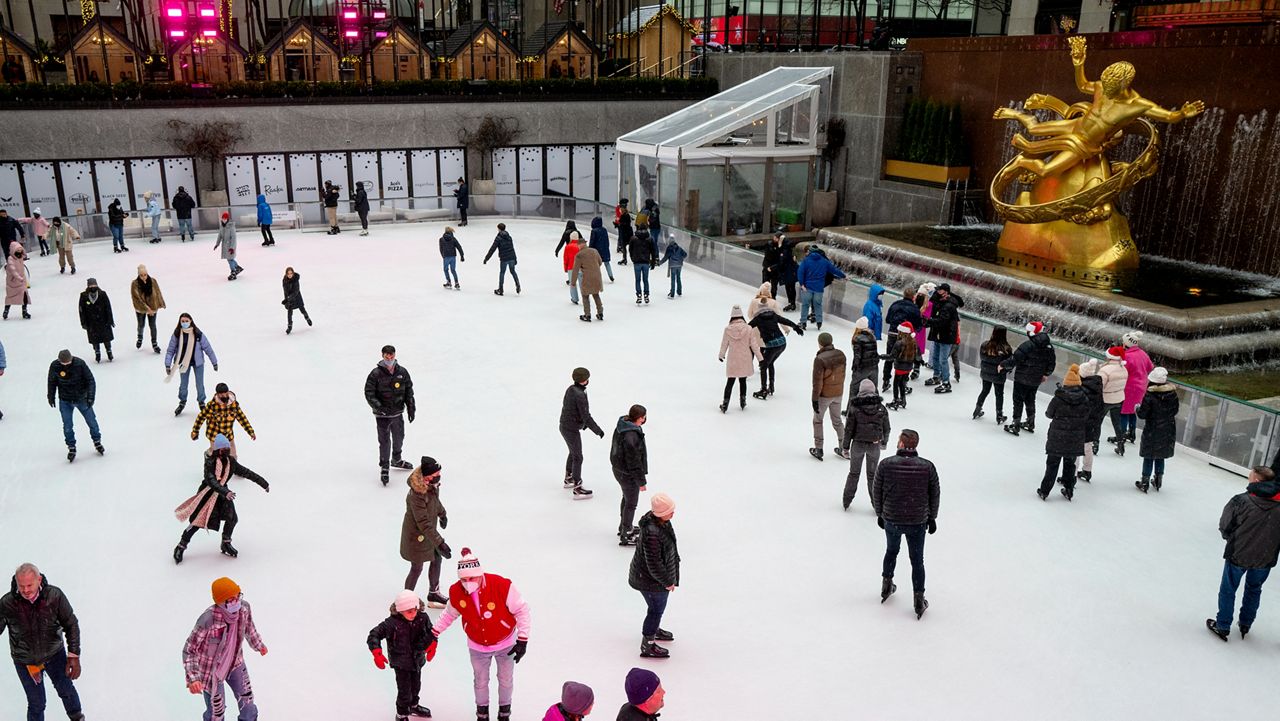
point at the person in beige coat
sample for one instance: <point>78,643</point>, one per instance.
<point>147,301</point>
<point>739,348</point>
<point>828,389</point>
<point>420,542</point>
<point>62,235</point>
<point>1115,377</point>
<point>586,273</point>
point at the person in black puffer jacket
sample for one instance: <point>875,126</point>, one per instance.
<point>1250,525</point>
<point>1091,382</point>
<point>641,248</point>
<point>905,498</point>
<point>630,461</point>
<point>37,615</point>
<point>902,311</point>
<point>1032,365</point>
<point>772,343</point>
<point>944,335</point>
<point>451,253</point>
<point>993,355</point>
<point>73,382</point>
<point>410,644</point>
<point>292,286</point>
<point>1159,412</point>
<point>866,355</point>
<point>866,433</point>
<point>329,198</point>
<point>655,571</point>
<point>360,204</point>
<point>505,247</point>
<point>1069,423</point>
<point>575,417</point>
<point>389,392</point>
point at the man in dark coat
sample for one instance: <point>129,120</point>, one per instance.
<point>642,258</point>
<point>944,331</point>
<point>1068,414</point>
<point>389,392</point>
<point>10,231</point>
<point>115,223</point>
<point>655,572</point>
<point>905,498</point>
<point>903,310</point>
<point>630,461</point>
<point>779,268</point>
<point>575,416</point>
<point>36,616</point>
<point>360,203</point>
<point>72,380</point>
<point>463,194</point>
<point>599,242</point>
<point>505,247</point>
<point>1251,526</point>
<point>182,204</point>
<point>1032,363</point>
<point>96,319</point>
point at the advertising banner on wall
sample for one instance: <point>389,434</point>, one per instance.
<point>584,172</point>
<point>333,167</point>
<point>113,183</point>
<point>147,177</point>
<point>395,174</point>
<point>452,167</point>
<point>42,188</point>
<point>271,179</point>
<point>242,183</point>
<point>11,189</point>
<point>364,173</point>
<point>77,187</point>
<point>530,171</point>
<point>558,169</point>
<point>180,172</point>
<point>305,186</point>
<point>425,180</point>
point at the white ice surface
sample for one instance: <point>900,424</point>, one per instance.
<point>1084,610</point>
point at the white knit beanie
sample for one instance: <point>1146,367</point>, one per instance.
<point>1158,375</point>
<point>406,600</point>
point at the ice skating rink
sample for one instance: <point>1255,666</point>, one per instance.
<point>1086,610</point>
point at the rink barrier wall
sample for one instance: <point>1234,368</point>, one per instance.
<point>1227,432</point>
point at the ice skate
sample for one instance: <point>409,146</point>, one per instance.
<point>921,605</point>
<point>761,395</point>
<point>178,411</point>
<point>580,493</point>
<point>978,413</point>
<point>139,343</point>
<point>1043,496</point>
<point>97,446</point>
<point>228,549</point>
<point>627,538</point>
<point>933,381</point>
<point>1244,631</point>
<point>71,453</point>
<point>585,318</point>
<point>384,476</point>
<point>664,636</point>
<point>816,453</point>
<point>482,713</point>
<point>177,552</point>
<point>1143,485</point>
<point>944,388</point>
<point>154,348</point>
<point>742,402</point>
<point>1156,481</point>
<point>1086,476</point>
<point>497,291</point>
<point>724,407</point>
<point>420,712</point>
<point>639,299</point>
<point>1001,418</point>
<point>887,588</point>
<point>840,452</point>
<point>1067,493</point>
<point>1222,633</point>
<point>646,299</point>
<point>435,600</point>
<point>504,712</point>
<point>97,356</point>
<point>600,316</point>
<point>649,649</point>
<point>569,483</point>
<point>1029,426</point>
<point>402,464</point>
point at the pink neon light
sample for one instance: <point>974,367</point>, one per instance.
<point>379,14</point>
<point>177,33</point>
<point>209,33</point>
<point>380,34</point>
<point>173,12</point>
<point>350,14</point>
<point>207,11</point>
<point>353,33</point>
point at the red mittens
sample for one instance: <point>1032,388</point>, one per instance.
<point>378,659</point>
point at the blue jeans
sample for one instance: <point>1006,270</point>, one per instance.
<point>915,551</point>
<point>185,229</point>
<point>1128,422</point>
<point>503,267</point>
<point>573,287</point>
<point>56,669</point>
<point>451,266</point>
<point>86,410</point>
<point>810,299</point>
<point>117,236</point>
<point>1152,463</point>
<point>942,361</point>
<point>657,602</point>
<point>215,705</point>
<point>1253,580</point>
<point>155,226</point>
<point>182,386</point>
<point>233,265</point>
<point>677,287</point>
<point>641,271</point>
<point>608,269</point>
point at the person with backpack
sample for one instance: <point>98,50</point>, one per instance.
<point>1068,414</point>
<point>1250,525</point>
<point>1159,412</point>
<point>1032,364</point>
<point>993,355</point>
<point>451,252</point>
<point>866,433</point>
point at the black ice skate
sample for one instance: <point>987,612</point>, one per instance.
<point>841,452</point>
<point>1244,631</point>
<point>664,636</point>
<point>504,712</point>
<point>71,453</point>
<point>401,463</point>
<point>1143,485</point>
<point>978,413</point>
<point>1043,496</point>
<point>585,318</point>
<point>178,411</point>
<point>482,713</point>
<point>435,600</point>
<point>580,493</point>
<point>1222,633</point>
<point>1156,481</point>
<point>497,291</point>
<point>97,446</point>
<point>420,711</point>
<point>816,453</point>
<point>1067,493</point>
<point>933,381</point>
<point>139,345</point>
<point>155,348</point>
<point>1014,428</point>
<point>1001,418</point>
<point>228,549</point>
<point>385,476</point>
<point>569,483</point>
<point>724,407</point>
<point>762,395</point>
<point>649,649</point>
<point>944,388</point>
<point>1029,426</point>
<point>921,605</point>
<point>1086,476</point>
<point>177,552</point>
<point>628,538</point>
<point>639,299</point>
<point>887,588</point>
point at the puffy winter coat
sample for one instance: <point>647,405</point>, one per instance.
<point>905,489</point>
<point>115,214</point>
<point>627,452</point>
<point>292,291</point>
<point>640,248</point>
<point>990,367</point>
<point>570,253</point>
<point>739,346</point>
<point>36,627</point>
<point>828,373</point>
<point>202,350</point>
<point>146,301</point>
<point>944,323</point>
<point>1115,377</point>
<point>95,316</point>
<point>769,324</point>
<point>586,272</point>
<point>450,247</point>
<point>656,563</point>
<point>182,204</point>
<point>674,255</point>
<point>779,262</point>
<point>866,421</point>
<point>463,194</point>
<point>873,309</point>
<point>15,277</point>
<point>599,241</point>
<point>227,239</point>
<point>504,246</point>
<point>264,210</point>
<point>1092,386</point>
<point>1251,526</point>
<point>764,299</point>
<point>575,410</point>
<point>389,393</point>
<point>1139,365</point>
<point>419,538</point>
<point>360,201</point>
<point>1069,422</point>
<point>63,236</point>
<point>814,269</point>
<point>73,382</point>
<point>153,208</point>
<point>623,223</point>
<point>330,197</point>
<point>902,350</point>
<point>1159,410</point>
<point>407,641</point>
<point>1033,361</point>
<point>903,310</point>
<point>866,359</point>
<point>631,713</point>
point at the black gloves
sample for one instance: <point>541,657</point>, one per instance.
<point>880,521</point>
<point>599,433</point>
<point>412,415</point>
<point>444,550</point>
<point>933,526</point>
<point>444,521</point>
<point>518,650</point>
<point>51,403</point>
<point>815,406</point>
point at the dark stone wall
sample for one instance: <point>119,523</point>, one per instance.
<point>1216,197</point>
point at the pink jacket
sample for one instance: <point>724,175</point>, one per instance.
<point>927,313</point>
<point>1139,365</point>
<point>1114,377</point>
<point>739,346</point>
<point>39,226</point>
<point>15,278</point>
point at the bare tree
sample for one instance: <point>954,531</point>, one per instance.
<point>490,134</point>
<point>208,141</point>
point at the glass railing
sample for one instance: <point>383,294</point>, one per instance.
<point>1229,432</point>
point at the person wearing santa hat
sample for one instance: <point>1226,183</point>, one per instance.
<point>655,571</point>
<point>213,654</point>
<point>1032,363</point>
<point>410,644</point>
<point>903,352</point>
<point>1115,377</point>
<point>495,618</point>
<point>227,241</point>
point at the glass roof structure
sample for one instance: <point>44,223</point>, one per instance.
<point>773,115</point>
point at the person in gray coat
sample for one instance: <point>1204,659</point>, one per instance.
<point>1251,526</point>
<point>227,240</point>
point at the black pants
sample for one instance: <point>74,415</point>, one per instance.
<point>462,211</point>
<point>573,464</point>
<point>630,499</point>
<point>622,248</point>
<point>433,574</point>
<point>1024,395</point>
<point>986,388</point>
<point>900,387</point>
<point>390,439</point>
<point>408,688</point>
<point>364,219</point>
<point>742,388</point>
<point>893,534</point>
<point>887,375</point>
<point>767,371</point>
<point>147,319</point>
<point>301,309</point>
<point>789,287</point>
<point>1051,464</point>
<point>267,237</point>
<point>1113,410</point>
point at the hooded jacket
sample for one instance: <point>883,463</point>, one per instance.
<point>1069,422</point>
<point>627,452</point>
<point>1032,361</point>
<point>227,238</point>
<point>450,247</point>
<point>264,210</point>
<point>640,247</point>
<point>739,346</point>
<point>360,200</point>
<point>419,539</point>
<point>674,255</point>
<point>656,563</point>
<point>16,276</point>
<point>1159,411</point>
<point>873,309</point>
<point>407,641</point>
<point>1250,525</point>
<point>814,269</point>
<point>115,213</point>
<point>866,357</point>
<point>504,246</point>
<point>599,241</point>
<point>903,310</point>
<point>764,299</point>
<point>944,320</point>
<point>828,373</point>
<point>36,628</point>
<point>182,204</point>
<point>866,421</point>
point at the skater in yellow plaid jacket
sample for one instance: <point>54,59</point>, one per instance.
<point>221,415</point>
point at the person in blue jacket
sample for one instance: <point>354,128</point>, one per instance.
<point>812,276</point>
<point>873,309</point>
<point>264,220</point>
<point>599,242</point>
<point>674,255</point>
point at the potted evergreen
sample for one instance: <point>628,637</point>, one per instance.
<point>931,148</point>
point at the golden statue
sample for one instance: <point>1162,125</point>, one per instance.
<point>1068,215</point>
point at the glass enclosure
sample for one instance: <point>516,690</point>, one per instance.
<point>703,207</point>
<point>790,195</point>
<point>745,192</point>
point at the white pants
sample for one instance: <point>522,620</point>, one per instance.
<point>506,675</point>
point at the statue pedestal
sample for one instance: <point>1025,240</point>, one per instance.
<point>1106,244</point>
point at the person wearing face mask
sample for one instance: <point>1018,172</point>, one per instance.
<point>575,417</point>
<point>495,618</point>
<point>188,347</point>
<point>96,319</point>
<point>292,283</point>
<point>37,615</point>
<point>221,416</point>
<point>72,380</point>
<point>645,696</point>
<point>420,542</point>
<point>214,655</point>
<point>16,284</point>
<point>410,644</point>
<point>227,241</point>
<point>655,571</point>
<point>213,505</point>
<point>63,236</point>
<point>115,222</point>
<point>147,301</point>
<point>629,457</point>
<point>389,392</point>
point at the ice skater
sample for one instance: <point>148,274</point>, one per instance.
<point>1251,526</point>
<point>37,614</point>
<point>213,654</point>
<point>188,348</point>
<point>39,228</point>
<point>227,240</point>
<point>73,382</point>
<point>153,212</point>
<point>903,351</point>
<point>388,390</point>
<point>673,255</point>
<point>575,417</point>
<point>599,242</point>
<point>771,328</point>
<point>451,254</point>
<point>1032,364</point>
<point>655,572</point>
<point>16,281</point>
<point>213,505</point>
<point>992,356</point>
<point>1139,365</point>
<point>866,433</point>
<point>1092,384</point>
<point>740,345</point>
<point>629,457</point>
<point>420,542</point>
<point>360,203</point>
<point>828,390</point>
<point>463,196</point>
<point>905,498</point>
<point>147,299</point>
<point>182,204</point>
<point>586,274</point>
<point>865,354</point>
<point>642,257</point>
<point>410,645</point>
<point>219,418</point>
<point>1115,378</point>
<point>569,241</point>
<point>96,319</point>
<point>292,283</point>
<point>1068,415</point>
<point>64,236</point>
<point>622,222</point>
<point>264,221</point>
<point>329,199</point>
<point>1159,413</point>
<point>506,250</point>
<point>115,223</point>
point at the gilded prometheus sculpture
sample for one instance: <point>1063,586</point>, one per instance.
<point>1067,211</point>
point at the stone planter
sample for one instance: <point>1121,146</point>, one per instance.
<point>822,209</point>
<point>938,175</point>
<point>482,192</point>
